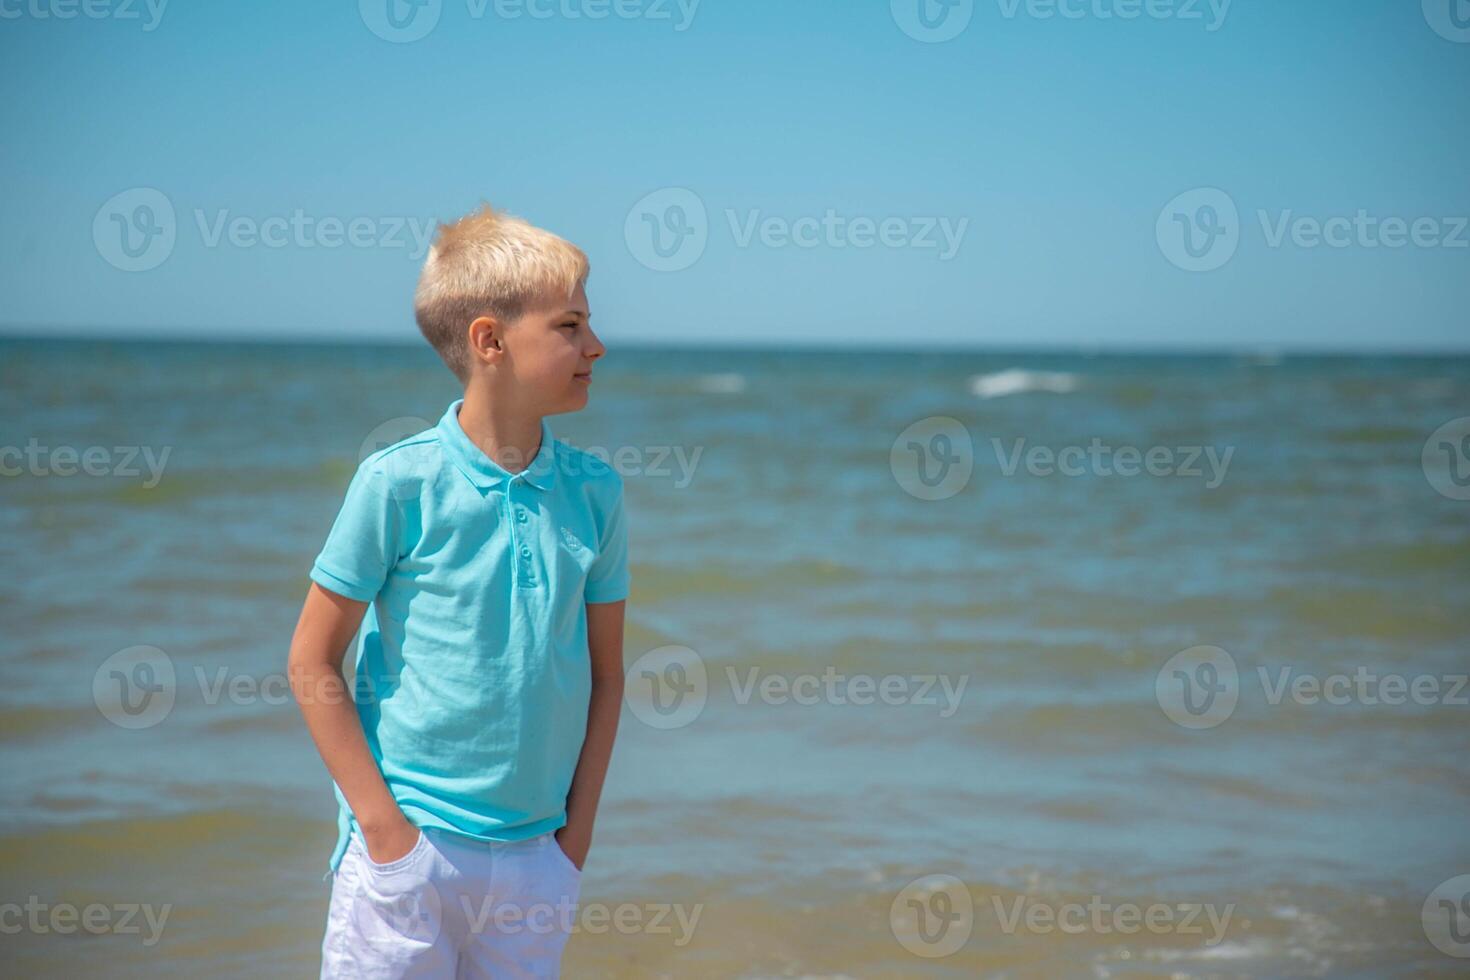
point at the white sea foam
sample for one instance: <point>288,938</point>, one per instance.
<point>1248,950</point>
<point>721,384</point>
<point>1015,381</point>
<point>1259,951</point>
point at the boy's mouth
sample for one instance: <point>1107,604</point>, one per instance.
<point>585,377</point>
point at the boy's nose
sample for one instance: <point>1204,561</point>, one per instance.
<point>596,350</point>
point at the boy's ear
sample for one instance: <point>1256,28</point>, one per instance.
<point>484,336</point>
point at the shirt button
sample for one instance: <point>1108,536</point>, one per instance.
<point>521,516</point>
<point>525,552</point>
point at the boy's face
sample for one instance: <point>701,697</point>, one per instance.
<point>550,351</point>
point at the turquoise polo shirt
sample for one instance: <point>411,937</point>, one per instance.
<point>473,675</point>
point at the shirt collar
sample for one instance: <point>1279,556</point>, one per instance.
<point>485,472</point>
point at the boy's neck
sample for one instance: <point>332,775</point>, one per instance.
<point>509,436</point>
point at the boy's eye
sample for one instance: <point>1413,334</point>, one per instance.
<point>571,324</point>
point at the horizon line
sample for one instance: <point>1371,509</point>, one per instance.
<point>15,332</point>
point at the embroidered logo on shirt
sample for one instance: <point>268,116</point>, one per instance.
<point>571,539</point>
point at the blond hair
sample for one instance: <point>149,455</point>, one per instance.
<point>489,263</point>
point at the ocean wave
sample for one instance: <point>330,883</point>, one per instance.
<point>720,384</point>
<point>1015,381</point>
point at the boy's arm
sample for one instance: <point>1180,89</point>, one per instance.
<point>605,645</point>
<point>327,625</point>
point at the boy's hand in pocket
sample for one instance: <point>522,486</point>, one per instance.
<point>388,843</point>
<point>574,845</point>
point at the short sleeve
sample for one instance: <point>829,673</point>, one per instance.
<point>362,546</point>
<point>607,579</point>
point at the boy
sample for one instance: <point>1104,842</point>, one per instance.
<point>487,564</point>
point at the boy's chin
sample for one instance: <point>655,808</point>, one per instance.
<point>574,401</point>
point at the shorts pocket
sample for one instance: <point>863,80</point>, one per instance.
<point>561,855</point>
<point>419,846</point>
<point>398,910</point>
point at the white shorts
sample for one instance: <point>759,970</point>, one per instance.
<point>452,908</point>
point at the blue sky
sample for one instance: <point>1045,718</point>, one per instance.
<point>818,151</point>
